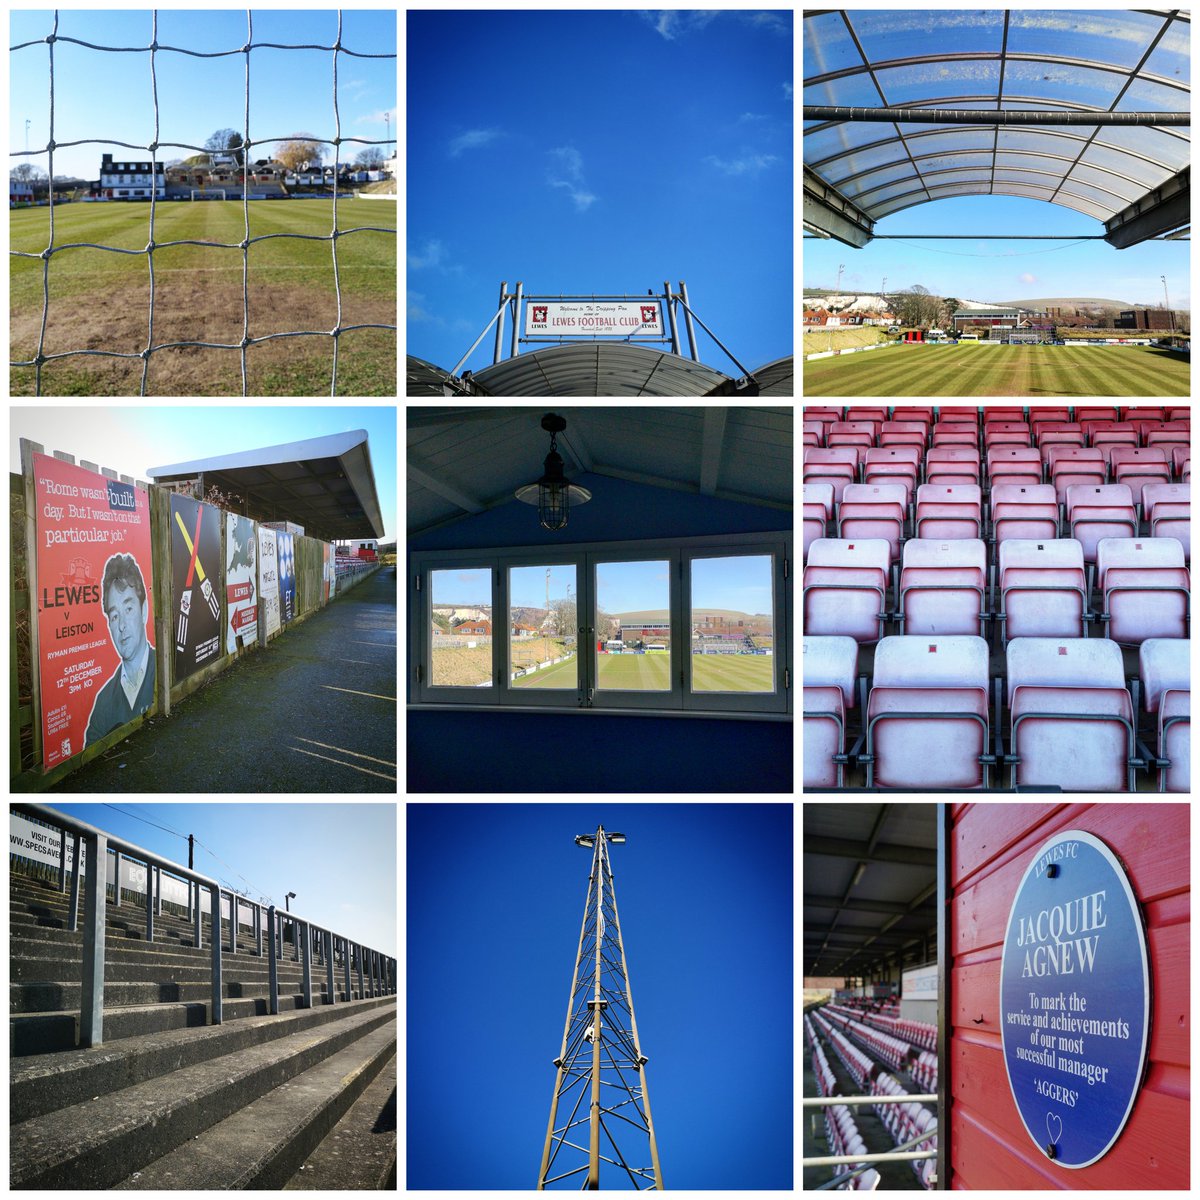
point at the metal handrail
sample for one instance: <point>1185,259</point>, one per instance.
<point>863,1161</point>
<point>830,1101</point>
<point>381,976</point>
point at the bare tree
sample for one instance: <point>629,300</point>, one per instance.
<point>371,158</point>
<point>221,140</point>
<point>917,306</point>
<point>27,173</point>
<point>300,149</point>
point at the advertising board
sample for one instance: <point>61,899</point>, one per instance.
<point>241,588</point>
<point>287,575</point>
<point>195,565</point>
<point>617,318</point>
<point>269,579</point>
<point>327,571</point>
<point>95,608</point>
<point>1074,999</point>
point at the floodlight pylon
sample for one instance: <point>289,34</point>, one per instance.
<point>601,1057</point>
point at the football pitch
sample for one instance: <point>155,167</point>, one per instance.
<point>100,300</point>
<point>967,369</point>
<point>651,673</point>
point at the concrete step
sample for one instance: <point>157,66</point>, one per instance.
<point>42,997</point>
<point>262,1145</point>
<point>49,1082</point>
<point>149,968</point>
<point>360,1152</point>
<point>68,947</point>
<point>130,927</point>
<point>101,1141</point>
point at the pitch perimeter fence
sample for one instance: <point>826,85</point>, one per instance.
<point>153,49</point>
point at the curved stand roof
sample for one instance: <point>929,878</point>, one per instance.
<point>1073,62</point>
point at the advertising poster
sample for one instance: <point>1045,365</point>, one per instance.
<point>269,580</point>
<point>287,576</point>
<point>196,574</point>
<point>95,610</point>
<point>241,588</point>
<point>326,571</point>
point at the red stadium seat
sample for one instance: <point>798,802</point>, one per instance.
<point>1024,511</point>
<point>1139,466</point>
<point>845,588</point>
<point>1014,464</point>
<point>949,511</point>
<point>1165,668</point>
<point>894,464</point>
<point>829,666</point>
<point>949,463</point>
<point>1145,589</point>
<point>818,511</point>
<point>942,587</point>
<point>838,466</point>
<point>1071,718</point>
<point>1043,589</point>
<point>927,717</point>
<point>1070,465</point>
<point>1099,512</point>
<point>874,510</point>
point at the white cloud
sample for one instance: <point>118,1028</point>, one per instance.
<point>377,117</point>
<point>1027,278</point>
<point>748,164</point>
<point>414,303</point>
<point>472,140</point>
<point>788,90</point>
<point>430,255</point>
<point>566,171</point>
<point>749,116</point>
<point>672,23</point>
<point>772,22</point>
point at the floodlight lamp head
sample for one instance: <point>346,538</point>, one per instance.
<point>585,839</point>
<point>617,839</point>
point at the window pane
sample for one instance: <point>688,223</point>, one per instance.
<point>461,628</point>
<point>542,627</point>
<point>633,626</point>
<point>733,625</point>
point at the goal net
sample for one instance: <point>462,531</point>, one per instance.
<point>208,194</point>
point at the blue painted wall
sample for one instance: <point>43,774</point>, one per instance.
<point>553,752</point>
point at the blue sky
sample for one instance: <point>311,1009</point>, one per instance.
<point>995,271</point>
<point>290,90</point>
<point>133,438</point>
<point>496,893</point>
<point>600,152</point>
<point>268,850</point>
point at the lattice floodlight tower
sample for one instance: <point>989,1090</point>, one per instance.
<point>600,1089</point>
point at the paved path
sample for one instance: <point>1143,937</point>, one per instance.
<point>315,712</point>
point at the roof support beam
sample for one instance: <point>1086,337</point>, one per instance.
<point>417,470</point>
<point>710,454</point>
<point>828,211</point>
<point>976,116</point>
<point>1159,211</point>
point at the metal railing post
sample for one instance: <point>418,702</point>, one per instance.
<point>233,922</point>
<point>307,970</point>
<point>91,1014</point>
<point>215,938</point>
<point>191,885</point>
<point>346,967</point>
<point>358,960</point>
<point>258,929</point>
<point>277,935</point>
<point>516,330</point>
<point>329,967</point>
<point>62,860</point>
<point>296,938</point>
<point>149,903</point>
<point>196,912</point>
<point>500,326</point>
<point>117,889</point>
<point>669,305</point>
<point>273,966</point>
<point>73,912</point>
<point>158,891</point>
<point>687,320</point>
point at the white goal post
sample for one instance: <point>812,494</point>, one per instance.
<point>209,194</point>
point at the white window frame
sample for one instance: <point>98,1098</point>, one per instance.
<point>679,700</point>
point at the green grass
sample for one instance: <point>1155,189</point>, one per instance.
<point>101,301</point>
<point>973,370</point>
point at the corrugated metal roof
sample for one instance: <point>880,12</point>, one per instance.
<point>994,59</point>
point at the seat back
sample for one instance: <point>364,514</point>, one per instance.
<point>1137,552</point>
<point>1164,665</point>
<point>938,552</point>
<point>1095,495</point>
<point>819,493</point>
<point>1064,662</point>
<point>1030,553</point>
<point>831,662</point>
<point>1155,493</point>
<point>930,661</point>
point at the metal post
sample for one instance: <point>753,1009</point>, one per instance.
<point>117,901</point>
<point>215,938</point>
<point>62,860</point>
<point>149,903</point>
<point>233,922</point>
<point>158,891</point>
<point>329,967</point>
<point>73,912</point>
<point>307,968</point>
<point>515,348</point>
<point>277,935</point>
<point>358,955</point>
<point>670,307</point>
<point>196,913</point>
<point>687,320</point>
<point>91,1014</point>
<point>500,324</point>
<point>593,1176</point>
<point>258,930</point>
<point>272,966</point>
<point>296,938</point>
<point>346,967</point>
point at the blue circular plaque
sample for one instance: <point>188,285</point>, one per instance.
<point>1074,999</point>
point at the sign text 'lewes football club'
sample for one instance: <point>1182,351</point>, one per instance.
<point>1074,999</point>
<point>593,317</point>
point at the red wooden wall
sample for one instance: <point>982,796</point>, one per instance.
<point>990,847</point>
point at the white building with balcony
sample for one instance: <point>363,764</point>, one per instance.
<point>131,180</point>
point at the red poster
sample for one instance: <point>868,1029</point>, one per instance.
<point>95,606</point>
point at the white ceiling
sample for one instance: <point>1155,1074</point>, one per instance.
<point>466,460</point>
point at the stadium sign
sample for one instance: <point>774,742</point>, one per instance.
<point>1074,999</point>
<point>639,318</point>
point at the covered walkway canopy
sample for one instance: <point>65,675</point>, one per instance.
<point>325,484</point>
<point>1085,109</point>
<point>598,369</point>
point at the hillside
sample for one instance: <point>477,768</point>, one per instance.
<point>660,614</point>
<point>1067,302</point>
